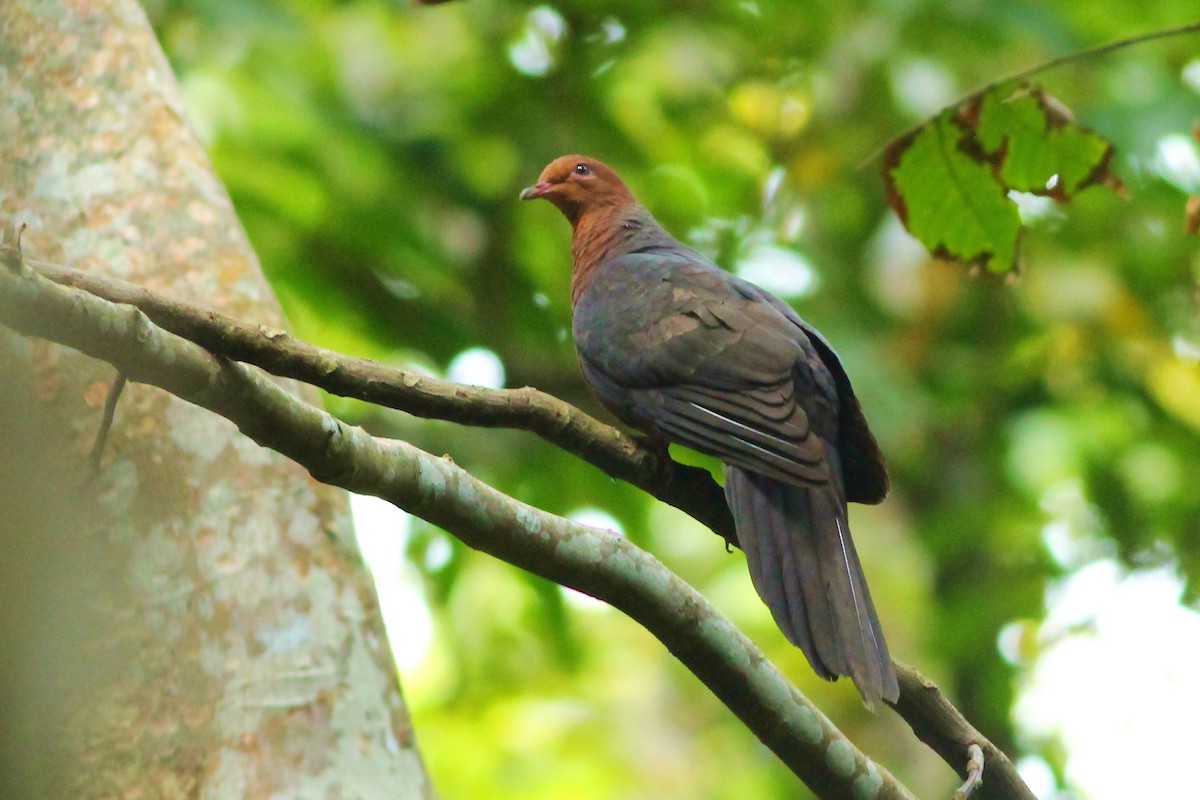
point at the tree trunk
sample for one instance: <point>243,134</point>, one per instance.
<point>194,621</point>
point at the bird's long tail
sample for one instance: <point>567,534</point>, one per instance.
<point>805,568</point>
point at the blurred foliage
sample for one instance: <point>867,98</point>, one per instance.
<point>374,151</point>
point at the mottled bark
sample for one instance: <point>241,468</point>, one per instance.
<point>195,622</point>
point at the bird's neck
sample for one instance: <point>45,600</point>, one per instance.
<point>605,232</point>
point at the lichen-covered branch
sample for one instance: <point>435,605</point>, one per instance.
<point>690,489</point>
<point>593,561</point>
<point>939,724</point>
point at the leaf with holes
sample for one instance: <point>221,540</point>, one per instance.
<point>949,198</point>
<point>1037,146</point>
<point>950,179</point>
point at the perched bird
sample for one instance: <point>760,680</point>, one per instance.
<point>681,349</point>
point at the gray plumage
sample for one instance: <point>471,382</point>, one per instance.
<point>678,347</point>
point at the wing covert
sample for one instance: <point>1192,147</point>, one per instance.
<point>708,367</point>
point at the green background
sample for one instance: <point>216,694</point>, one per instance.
<point>374,151</point>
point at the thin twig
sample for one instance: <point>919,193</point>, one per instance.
<point>974,772</point>
<point>106,422</point>
<point>1029,72</point>
<point>10,250</point>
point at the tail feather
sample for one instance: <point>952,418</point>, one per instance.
<point>804,566</point>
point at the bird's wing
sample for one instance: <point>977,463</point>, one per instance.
<point>685,352</point>
<point>864,469</point>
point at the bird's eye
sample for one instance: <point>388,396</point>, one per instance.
<point>582,169</point>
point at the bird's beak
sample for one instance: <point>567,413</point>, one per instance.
<point>540,189</point>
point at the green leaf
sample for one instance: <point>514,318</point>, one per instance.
<point>949,200</point>
<point>950,179</point>
<point>1033,139</point>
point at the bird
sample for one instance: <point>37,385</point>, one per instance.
<point>685,351</point>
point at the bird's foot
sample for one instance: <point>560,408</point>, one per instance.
<point>660,448</point>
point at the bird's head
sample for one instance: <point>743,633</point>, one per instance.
<point>577,184</point>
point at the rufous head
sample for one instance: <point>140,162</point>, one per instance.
<point>577,184</point>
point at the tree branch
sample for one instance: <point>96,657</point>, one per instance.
<point>690,489</point>
<point>931,716</point>
<point>593,561</point>
<point>937,723</point>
